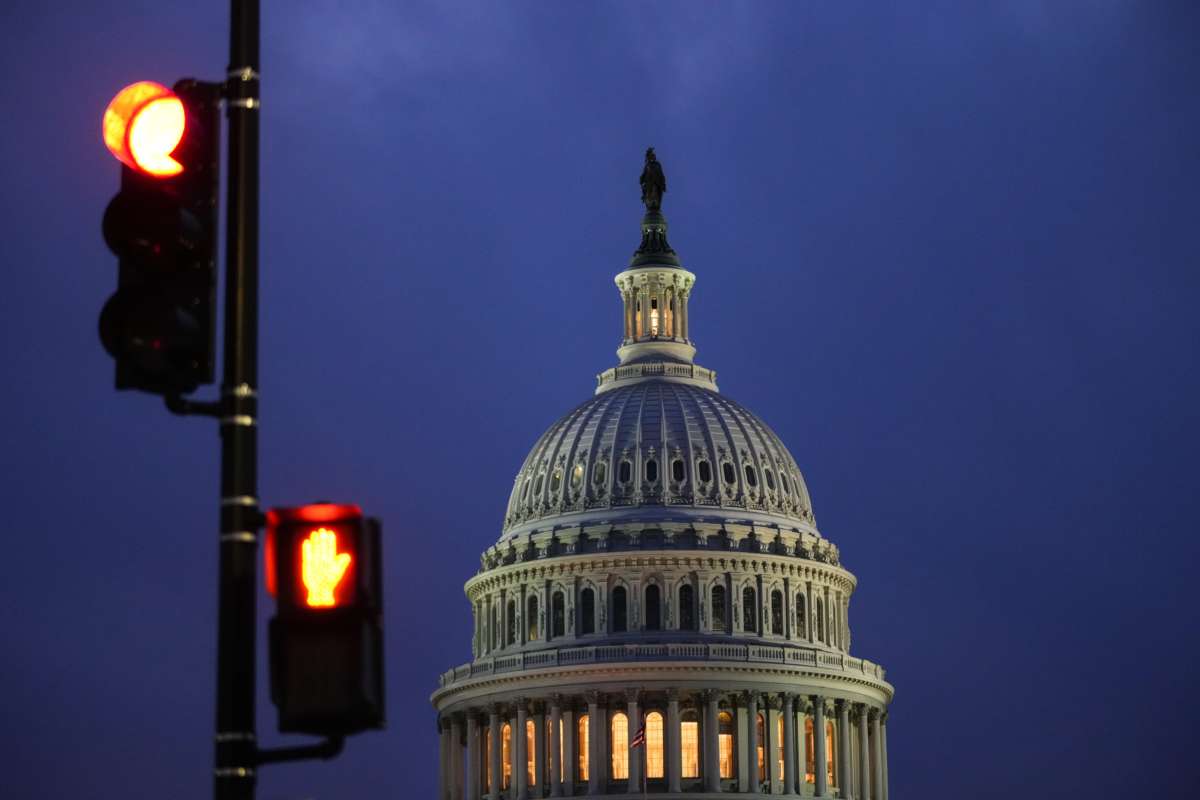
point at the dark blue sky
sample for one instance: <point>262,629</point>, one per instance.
<point>949,253</point>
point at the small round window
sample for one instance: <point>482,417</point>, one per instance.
<point>677,470</point>
<point>751,477</point>
<point>705,471</point>
<point>652,470</point>
<point>727,472</point>
<point>577,476</point>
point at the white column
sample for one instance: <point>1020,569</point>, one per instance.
<point>595,769</point>
<point>864,756</point>
<point>520,765</point>
<point>822,778</point>
<point>771,742</point>
<point>876,756</point>
<point>473,762</point>
<point>752,739</point>
<point>553,744</point>
<point>456,756</point>
<point>801,744</point>
<point>674,764</point>
<point>444,760</point>
<point>789,745</point>
<point>569,759</point>
<point>883,782</point>
<point>635,754</point>
<point>539,750</point>
<point>712,754</point>
<point>493,754</point>
<point>843,755</point>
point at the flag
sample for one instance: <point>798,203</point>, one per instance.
<point>639,738</point>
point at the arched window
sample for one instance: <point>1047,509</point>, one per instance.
<point>587,611</point>
<point>783,483</point>
<point>530,736</point>
<point>830,739</point>
<point>749,610</point>
<point>619,614</point>
<point>801,617</point>
<point>505,756</point>
<point>728,474</point>
<point>582,746</point>
<point>677,470</point>
<point>625,472</point>
<point>751,477</point>
<point>525,490</point>
<point>719,618</point>
<point>555,481</point>
<point>557,615</point>
<point>653,611</point>
<point>496,628</point>
<point>511,626</point>
<point>725,749</point>
<point>704,470</point>
<point>810,758</point>
<point>761,736</point>
<point>654,745</point>
<point>599,473</point>
<point>779,747</point>
<point>820,620</point>
<point>619,742</point>
<point>689,744</point>
<point>687,608</point>
<point>577,476</point>
<point>777,612</point>
<point>531,618</point>
<point>770,479</point>
<point>652,471</point>
<point>537,487</point>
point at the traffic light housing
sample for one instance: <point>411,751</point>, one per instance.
<point>159,326</point>
<point>323,566</point>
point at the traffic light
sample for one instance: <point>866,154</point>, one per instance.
<point>326,639</point>
<point>162,226</point>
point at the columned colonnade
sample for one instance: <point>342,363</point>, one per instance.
<point>709,741</point>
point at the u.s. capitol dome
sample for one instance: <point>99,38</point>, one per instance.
<point>660,613</point>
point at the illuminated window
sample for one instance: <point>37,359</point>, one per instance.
<point>654,317</point>
<point>810,759</point>
<point>625,472</point>
<point>511,626</point>
<point>599,473</point>
<point>829,754</point>
<point>582,746</point>
<point>687,608</point>
<point>505,756</point>
<point>779,746</point>
<point>487,757</point>
<point>530,732</point>
<point>653,612</point>
<point>677,470</point>
<point>531,618</point>
<point>801,618</point>
<point>619,615</point>
<point>761,728</point>
<point>587,611</point>
<point>577,476</point>
<point>751,478</point>
<point>727,473</point>
<point>777,612</point>
<point>749,610</point>
<point>619,741</point>
<point>555,481</point>
<point>718,608</point>
<point>654,745</point>
<point>689,744</point>
<point>704,470</point>
<point>725,743</point>
<point>557,615</point>
<point>652,470</point>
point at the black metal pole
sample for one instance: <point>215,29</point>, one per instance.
<point>236,746</point>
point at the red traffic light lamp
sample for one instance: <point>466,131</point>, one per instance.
<point>143,125</point>
<point>322,564</point>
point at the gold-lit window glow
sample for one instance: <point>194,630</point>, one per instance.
<point>505,756</point>
<point>830,772</point>
<point>689,748</point>
<point>583,747</point>
<point>762,762</point>
<point>810,759</point>
<point>725,743</point>
<point>143,125</point>
<point>654,318</point>
<point>779,746</point>
<point>654,745</point>
<point>487,756</point>
<point>322,567</point>
<point>529,752</point>
<point>620,746</point>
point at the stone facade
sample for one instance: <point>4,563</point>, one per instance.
<point>660,576</point>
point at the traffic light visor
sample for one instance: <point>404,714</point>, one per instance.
<point>143,125</point>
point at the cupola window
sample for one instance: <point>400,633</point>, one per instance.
<point>749,610</point>
<point>537,486</point>
<point>718,608</point>
<point>557,616</point>
<point>704,469</point>
<point>728,474</point>
<point>777,612</point>
<point>677,470</point>
<point>653,610</point>
<point>625,473</point>
<point>577,476</point>
<point>652,471</point>
<point>531,618</point>
<point>525,490</point>
<point>619,613</point>
<point>783,482</point>
<point>587,611</point>
<point>770,478</point>
<point>654,317</point>
<point>555,481</point>
<point>599,473</point>
<point>687,608</point>
<point>751,477</point>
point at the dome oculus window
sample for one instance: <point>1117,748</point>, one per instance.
<point>652,471</point>
<point>705,471</point>
<point>677,470</point>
